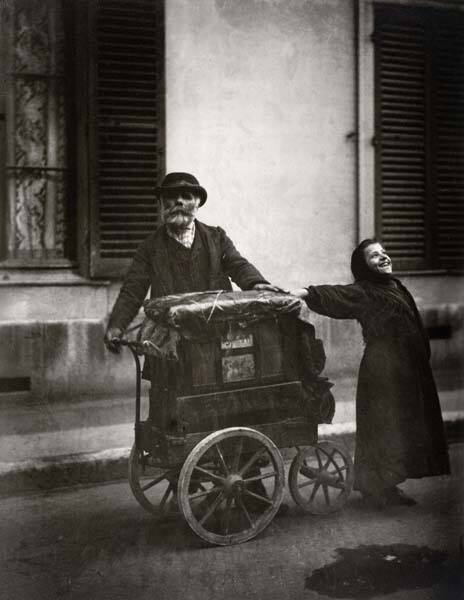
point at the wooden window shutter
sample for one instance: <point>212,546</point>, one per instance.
<point>126,129</point>
<point>449,119</point>
<point>401,141</point>
<point>419,115</point>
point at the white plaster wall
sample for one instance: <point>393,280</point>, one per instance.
<point>259,103</point>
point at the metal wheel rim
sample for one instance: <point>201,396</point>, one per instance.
<point>192,463</point>
<point>140,483</point>
<point>325,472</point>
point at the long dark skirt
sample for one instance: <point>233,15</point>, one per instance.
<point>400,432</point>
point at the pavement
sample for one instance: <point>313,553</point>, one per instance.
<point>45,445</point>
<point>95,542</point>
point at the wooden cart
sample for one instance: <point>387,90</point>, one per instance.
<point>227,394</point>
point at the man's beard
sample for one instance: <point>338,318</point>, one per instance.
<point>178,220</point>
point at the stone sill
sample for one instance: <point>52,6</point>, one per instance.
<point>429,273</point>
<point>52,277</point>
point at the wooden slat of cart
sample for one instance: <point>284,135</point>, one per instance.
<point>243,407</point>
<point>173,450</point>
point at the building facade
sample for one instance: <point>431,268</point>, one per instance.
<point>311,123</point>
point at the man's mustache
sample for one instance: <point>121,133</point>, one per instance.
<point>179,211</point>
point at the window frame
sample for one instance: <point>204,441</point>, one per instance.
<point>367,199</point>
<point>85,40</point>
<point>36,263</point>
<point>81,197</point>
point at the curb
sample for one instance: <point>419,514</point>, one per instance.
<point>109,465</point>
<point>63,471</point>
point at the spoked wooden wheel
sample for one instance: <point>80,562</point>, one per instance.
<point>321,478</point>
<point>155,488</point>
<point>231,485</point>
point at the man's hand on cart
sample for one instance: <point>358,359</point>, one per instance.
<point>112,339</point>
<point>268,287</point>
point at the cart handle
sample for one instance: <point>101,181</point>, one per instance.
<point>133,347</point>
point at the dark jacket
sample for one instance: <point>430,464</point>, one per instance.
<point>399,427</point>
<point>150,269</point>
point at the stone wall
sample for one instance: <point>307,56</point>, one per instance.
<point>65,360</point>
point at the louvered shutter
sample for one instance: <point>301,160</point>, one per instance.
<point>449,79</point>
<point>419,113</point>
<point>128,129</point>
<point>401,114</point>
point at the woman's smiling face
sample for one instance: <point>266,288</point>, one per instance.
<point>377,259</point>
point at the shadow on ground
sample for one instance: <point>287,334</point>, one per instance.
<point>368,571</point>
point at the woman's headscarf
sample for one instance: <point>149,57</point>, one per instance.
<point>389,289</point>
<point>392,297</point>
<point>359,266</point>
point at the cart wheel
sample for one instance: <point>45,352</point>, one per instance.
<point>231,485</point>
<point>321,478</point>
<point>155,488</point>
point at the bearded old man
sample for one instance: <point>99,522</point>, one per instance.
<point>399,426</point>
<point>183,255</point>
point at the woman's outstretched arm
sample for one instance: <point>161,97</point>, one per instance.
<point>336,301</point>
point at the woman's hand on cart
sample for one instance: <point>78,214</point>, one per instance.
<point>300,292</point>
<point>268,287</point>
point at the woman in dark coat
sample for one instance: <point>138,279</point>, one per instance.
<point>399,427</point>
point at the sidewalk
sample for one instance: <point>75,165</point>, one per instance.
<point>47,445</point>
